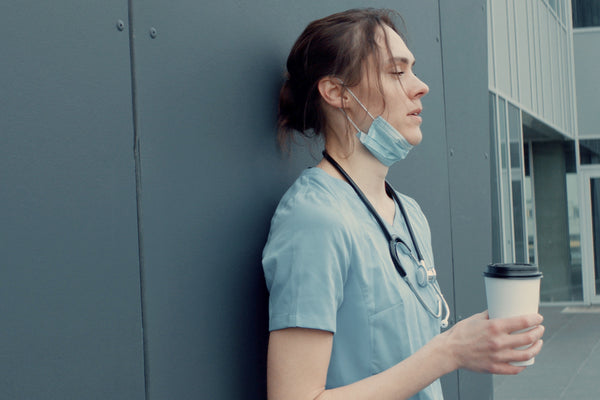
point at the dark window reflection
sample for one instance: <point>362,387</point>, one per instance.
<point>586,13</point>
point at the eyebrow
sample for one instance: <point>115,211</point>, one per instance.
<point>403,60</point>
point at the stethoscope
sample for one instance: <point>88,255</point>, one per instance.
<point>425,276</point>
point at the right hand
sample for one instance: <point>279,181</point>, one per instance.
<point>481,344</point>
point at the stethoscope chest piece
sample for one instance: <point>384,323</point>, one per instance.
<point>425,275</point>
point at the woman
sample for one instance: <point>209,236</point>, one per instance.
<point>344,323</point>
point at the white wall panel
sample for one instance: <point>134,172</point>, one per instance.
<point>512,49</point>
<point>587,59</point>
<point>531,58</point>
<point>531,34</point>
<point>490,41</point>
<point>544,57</point>
<point>558,106</point>
<point>563,82</point>
<point>553,62</point>
<point>571,102</point>
<point>502,58</point>
<point>523,51</point>
<point>535,6</point>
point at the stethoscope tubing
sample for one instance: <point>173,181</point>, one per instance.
<point>393,240</point>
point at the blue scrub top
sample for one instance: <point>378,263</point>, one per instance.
<point>327,266</point>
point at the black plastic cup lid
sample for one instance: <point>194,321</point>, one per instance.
<point>509,271</point>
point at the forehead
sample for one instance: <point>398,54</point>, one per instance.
<point>398,51</point>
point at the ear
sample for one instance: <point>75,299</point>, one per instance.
<point>332,91</point>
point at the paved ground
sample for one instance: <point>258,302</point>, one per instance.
<point>568,367</point>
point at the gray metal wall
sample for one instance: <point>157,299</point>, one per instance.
<point>166,128</point>
<point>70,318</point>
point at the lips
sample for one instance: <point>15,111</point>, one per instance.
<point>415,115</point>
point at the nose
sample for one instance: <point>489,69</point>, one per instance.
<point>420,88</point>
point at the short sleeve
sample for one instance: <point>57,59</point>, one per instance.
<point>305,262</point>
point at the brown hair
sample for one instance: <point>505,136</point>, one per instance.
<point>337,45</point>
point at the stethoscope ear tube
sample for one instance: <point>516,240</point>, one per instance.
<point>444,322</point>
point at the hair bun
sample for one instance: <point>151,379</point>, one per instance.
<point>288,113</point>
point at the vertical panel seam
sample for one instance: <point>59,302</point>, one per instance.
<point>138,195</point>
<point>448,174</point>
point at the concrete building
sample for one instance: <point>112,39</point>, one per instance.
<point>544,96</point>
<point>586,46</point>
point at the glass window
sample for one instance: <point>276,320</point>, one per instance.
<point>589,151</point>
<point>575,274</point>
<point>496,190</point>
<point>505,189</point>
<point>595,194</point>
<point>586,13</point>
<point>510,240</point>
<point>516,175</point>
<point>529,206</point>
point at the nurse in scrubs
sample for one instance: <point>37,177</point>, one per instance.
<point>343,322</point>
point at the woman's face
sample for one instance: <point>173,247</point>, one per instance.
<point>402,90</point>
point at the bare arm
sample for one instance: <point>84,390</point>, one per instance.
<point>298,359</point>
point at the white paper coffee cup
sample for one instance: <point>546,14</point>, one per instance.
<point>511,290</point>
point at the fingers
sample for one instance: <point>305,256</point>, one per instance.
<point>519,339</point>
<point>513,345</point>
<point>513,324</point>
<point>528,353</point>
<point>502,364</point>
<point>485,345</point>
<point>505,368</point>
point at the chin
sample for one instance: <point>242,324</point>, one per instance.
<point>414,138</point>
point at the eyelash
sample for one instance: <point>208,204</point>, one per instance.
<point>399,73</point>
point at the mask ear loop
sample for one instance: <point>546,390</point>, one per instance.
<point>350,120</point>
<point>359,103</point>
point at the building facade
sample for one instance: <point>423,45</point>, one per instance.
<point>543,117</point>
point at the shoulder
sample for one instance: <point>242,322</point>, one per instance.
<point>312,202</point>
<point>308,248</point>
<point>311,219</point>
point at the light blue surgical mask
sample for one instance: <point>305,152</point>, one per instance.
<point>383,140</point>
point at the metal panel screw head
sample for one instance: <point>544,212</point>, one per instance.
<point>153,33</point>
<point>120,25</point>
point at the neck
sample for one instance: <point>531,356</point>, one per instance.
<point>368,173</point>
